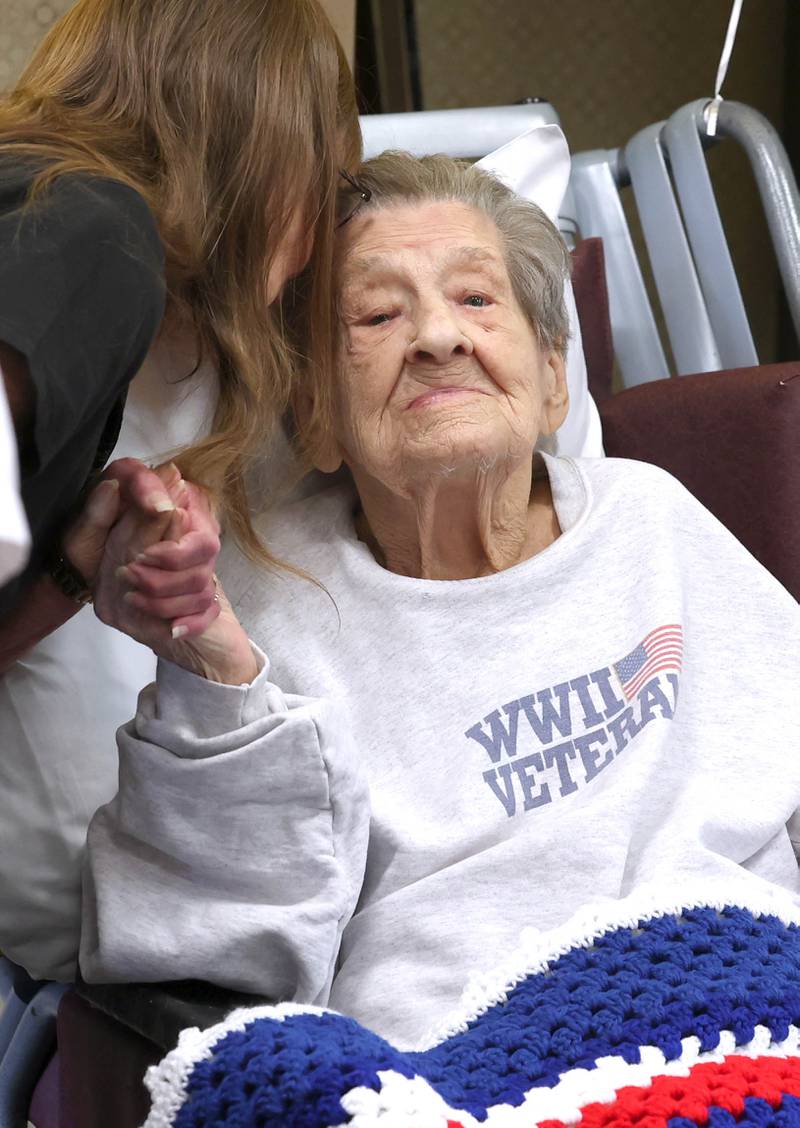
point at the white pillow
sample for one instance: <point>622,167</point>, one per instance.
<point>536,165</point>
<point>14,535</point>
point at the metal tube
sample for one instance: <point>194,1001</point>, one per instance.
<point>776,184</point>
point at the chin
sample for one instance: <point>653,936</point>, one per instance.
<point>464,455</point>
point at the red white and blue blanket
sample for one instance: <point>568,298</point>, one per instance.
<point>655,1012</point>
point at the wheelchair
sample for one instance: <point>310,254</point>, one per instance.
<point>74,1057</point>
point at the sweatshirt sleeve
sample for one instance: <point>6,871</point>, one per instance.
<point>235,848</point>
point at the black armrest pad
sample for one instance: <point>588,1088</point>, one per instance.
<point>159,1011</point>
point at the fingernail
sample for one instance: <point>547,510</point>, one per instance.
<point>122,572</point>
<point>179,632</point>
<point>129,596</point>
<point>160,502</point>
<point>141,558</point>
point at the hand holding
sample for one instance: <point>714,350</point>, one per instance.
<point>126,483</point>
<point>164,592</point>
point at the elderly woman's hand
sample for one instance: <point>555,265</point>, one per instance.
<point>156,584</point>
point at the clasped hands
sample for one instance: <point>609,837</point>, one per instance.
<point>147,543</point>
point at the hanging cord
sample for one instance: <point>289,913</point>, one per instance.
<point>712,109</point>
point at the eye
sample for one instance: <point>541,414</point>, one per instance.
<point>477,301</point>
<point>379,319</point>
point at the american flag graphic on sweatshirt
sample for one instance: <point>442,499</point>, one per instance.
<point>661,650</point>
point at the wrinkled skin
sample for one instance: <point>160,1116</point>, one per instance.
<point>442,392</point>
<point>155,582</point>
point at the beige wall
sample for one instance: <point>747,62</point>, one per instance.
<point>24,22</point>
<point>22,25</point>
<point>342,14</point>
<point>611,67</point>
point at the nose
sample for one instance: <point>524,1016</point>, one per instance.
<point>438,338</point>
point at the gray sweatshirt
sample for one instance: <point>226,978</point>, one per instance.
<point>423,768</point>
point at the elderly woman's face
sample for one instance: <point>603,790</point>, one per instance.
<point>439,368</point>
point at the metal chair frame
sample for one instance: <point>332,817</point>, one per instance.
<point>27,1039</point>
<point>706,322</point>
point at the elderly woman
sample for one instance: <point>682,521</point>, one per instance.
<point>497,686</point>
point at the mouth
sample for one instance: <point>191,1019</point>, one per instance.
<point>436,395</point>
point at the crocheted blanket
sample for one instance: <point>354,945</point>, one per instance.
<point>654,1015</point>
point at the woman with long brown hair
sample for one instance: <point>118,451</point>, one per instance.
<point>165,167</point>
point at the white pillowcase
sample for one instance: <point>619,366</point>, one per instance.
<point>14,535</point>
<point>536,165</point>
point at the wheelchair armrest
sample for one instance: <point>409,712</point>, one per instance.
<point>109,1034</point>
<point>159,1011</point>
<point>731,438</point>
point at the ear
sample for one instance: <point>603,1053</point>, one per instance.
<point>326,454</point>
<point>555,396</point>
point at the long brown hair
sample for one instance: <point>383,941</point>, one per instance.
<point>226,116</point>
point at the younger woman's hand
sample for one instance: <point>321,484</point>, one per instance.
<point>126,483</point>
<point>164,593</point>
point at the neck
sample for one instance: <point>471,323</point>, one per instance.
<point>457,527</point>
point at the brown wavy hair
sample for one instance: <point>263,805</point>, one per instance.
<point>226,116</point>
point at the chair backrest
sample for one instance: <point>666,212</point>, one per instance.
<point>731,438</point>
<point>469,133</point>
<point>665,165</point>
